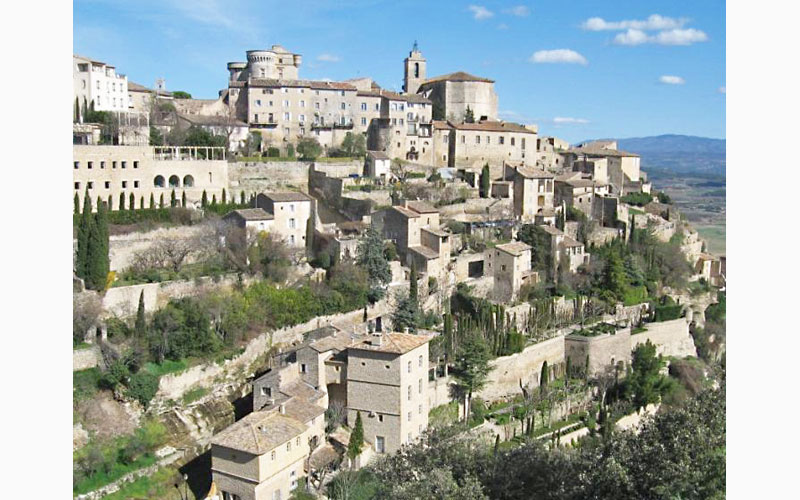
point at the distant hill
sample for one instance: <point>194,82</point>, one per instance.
<point>678,154</point>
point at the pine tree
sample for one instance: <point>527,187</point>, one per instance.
<point>372,258</point>
<point>204,199</point>
<point>77,203</point>
<point>485,182</point>
<point>224,196</point>
<point>121,201</point>
<point>173,200</point>
<point>132,202</point>
<point>152,201</point>
<point>84,227</point>
<point>161,201</point>
<point>140,327</point>
<point>183,199</point>
<point>356,439</point>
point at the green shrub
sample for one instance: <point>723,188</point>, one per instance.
<point>273,152</point>
<point>142,386</point>
<point>667,313</point>
<point>638,199</point>
<point>634,295</point>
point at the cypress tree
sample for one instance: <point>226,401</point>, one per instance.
<point>77,117</point>
<point>132,202</point>
<point>77,202</point>
<point>97,255</point>
<point>152,201</point>
<point>84,226</point>
<point>545,376</point>
<point>161,201</point>
<point>173,200</point>
<point>224,196</point>
<point>242,198</point>
<point>213,200</point>
<point>204,199</point>
<point>356,438</point>
<point>99,201</point>
<point>183,199</point>
<point>141,202</point>
<point>485,182</point>
<point>413,293</point>
<point>140,327</point>
<point>110,199</point>
<point>121,201</point>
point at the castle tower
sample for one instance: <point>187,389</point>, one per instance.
<point>415,70</point>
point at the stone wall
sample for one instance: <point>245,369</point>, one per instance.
<point>672,338</point>
<point>259,177</point>
<point>83,359</point>
<point>526,366</point>
<point>123,248</point>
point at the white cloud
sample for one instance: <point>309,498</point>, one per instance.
<point>654,22</point>
<point>669,37</point>
<point>721,90</point>
<point>480,12</point>
<point>681,37</point>
<point>671,80</point>
<point>567,56</point>
<point>502,26</point>
<point>328,58</point>
<point>562,120</point>
<point>519,11</point>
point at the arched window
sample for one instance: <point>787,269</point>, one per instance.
<point>188,181</point>
<point>158,181</point>
<point>174,181</point>
<point>416,70</point>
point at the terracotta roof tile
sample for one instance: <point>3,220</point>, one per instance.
<point>259,432</point>
<point>395,343</point>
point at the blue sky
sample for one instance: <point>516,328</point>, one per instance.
<point>579,69</point>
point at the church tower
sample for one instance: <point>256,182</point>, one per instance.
<point>415,70</point>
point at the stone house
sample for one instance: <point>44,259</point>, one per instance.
<point>511,265</point>
<point>551,153</point>
<point>264,455</point>
<point>493,142</point>
<point>292,212</point>
<point>534,192</point>
<point>414,228</point>
<point>233,130</point>
<point>455,92</point>
<point>99,83</point>
<point>251,219</point>
<point>573,190</point>
<point>563,246</point>
<point>623,168</point>
<point>378,166</point>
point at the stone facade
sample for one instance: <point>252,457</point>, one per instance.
<point>455,92</point>
<point>110,171</point>
<point>534,193</point>
<point>291,213</point>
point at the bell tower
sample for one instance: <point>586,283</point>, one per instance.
<point>415,70</point>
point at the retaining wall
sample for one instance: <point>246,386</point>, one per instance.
<point>83,359</point>
<point>507,371</point>
<point>672,338</point>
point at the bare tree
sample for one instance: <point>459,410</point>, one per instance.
<point>86,309</point>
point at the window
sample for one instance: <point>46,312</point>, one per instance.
<point>502,140</point>
<point>342,93</point>
<point>316,105</point>
<point>107,185</point>
<point>363,106</point>
<point>377,107</point>
<point>291,239</point>
<point>409,437</point>
<point>420,361</point>
<point>292,224</point>
<point>420,409</point>
<point>77,164</point>
<point>380,418</point>
<point>88,164</point>
<point>488,140</point>
<point>124,184</point>
<point>409,367</point>
<point>90,184</point>
<point>301,118</point>
<point>289,446</point>
<point>523,143</point>
<point>409,393</point>
<point>77,185</point>
<point>291,207</point>
<point>444,139</point>
<point>463,139</point>
<point>512,141</point>
<point>287,116</point>
<point>343,106</point>
<point>258,102</point>
<point>124,164</point>
<point>136,184</point>
<point>302,104</point>
<point>285,104</point>
<point>363,121</point>
<point>266,391</point>
<point>158,181</point>
<point>420,386</point>
<point>297,442</point>
<point>272,455</point>
<point>285,90</point>
<point>379,444</point>
<point>409,416</point>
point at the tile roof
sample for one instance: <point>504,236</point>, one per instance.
<point>458,76</point>
<point>492,126</point>
<point>287,196</point>
<point>395,343</point>
<point>405,211</point>
<point>424,251</point>
<point>569,241</point>
<point>312,84</point>
<point>534,173</point>
<point>422,207</point>
<point>514,248</point>
<point>378,155</point>
<point>252,214</point>
<point>259,432</point>
<point>598,151</point>
<point>552,230</point>
<point>300,410</point>
<point>338,342</point>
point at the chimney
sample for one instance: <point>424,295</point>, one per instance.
<point>282,409</point>
<point>377,340</point>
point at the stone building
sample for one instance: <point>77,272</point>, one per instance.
<point>622,167</point>
<point>387,382</point>
<point>414,228</point>
<point>97,82</point>
<point>511,265</point>
<point>551,153</point>
<point>476,144</point>
<point>415,70</point>
<point>110,171</point>
<point>453,93</point>
<point>564,247</point>
<point>573,190</point>
<point>141,98</point>
<point>378,166</point>
<point>291,212</point>
<point>251,219</point>
<point>264,455</point>
<point>534,192</point>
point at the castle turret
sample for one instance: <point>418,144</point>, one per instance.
<point>414,70</point>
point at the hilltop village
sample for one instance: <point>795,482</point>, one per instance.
<point>279,287</point>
